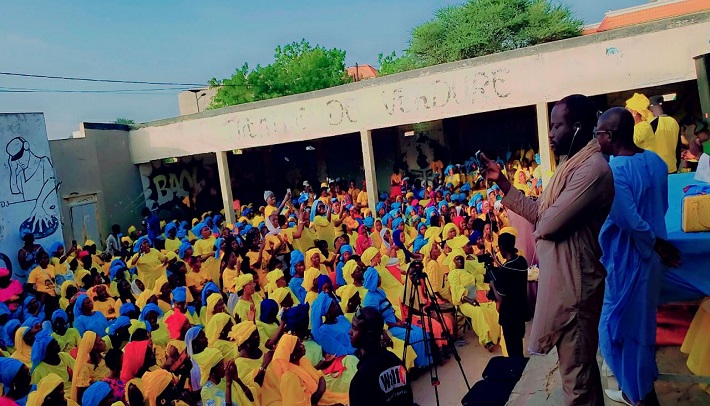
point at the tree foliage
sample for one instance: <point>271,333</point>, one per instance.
<point>483,27</point>
<point>122,120</point>
<point>297,68</point>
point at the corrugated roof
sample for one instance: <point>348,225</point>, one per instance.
<point>649,12</point>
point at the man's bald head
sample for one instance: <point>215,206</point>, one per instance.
<point>621,122</point>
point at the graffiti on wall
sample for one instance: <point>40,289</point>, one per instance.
<point>28,190</point>
<point>182,184</point>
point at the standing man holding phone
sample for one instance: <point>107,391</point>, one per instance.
<point>567,220</point>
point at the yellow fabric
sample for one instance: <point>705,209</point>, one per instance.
<point>347,292</point>
<point>279,295</point>
<point>69,340</point>
<point>448,228</point>
<point>696,343</point>
<point>228,276</point>
<point>150,267</point>
<point>309,260</point>
<point>484,320</point>
<point>215,326</point>
<point>154,383</point>
<point>211,267</point>
<point>247,370</point>
<point>43,279</point>
<point>82,358</point>
<point>142,299</point>
<point>272,277</point>
<point>458,242</point>
<point>306,241</point>
<point>242,331</point>
<point>644,137</point>
<point>43,369</point>
<point>227,348</point>
<point>324,230</point>
<point>266,331</point>
<point>207,360</point>
<point>243,306</point>
<point>204,246</point>
<point>163,280</point>
<point>241,281</point>
<point>667,141</point>
<point>309,278</point>
<point>211,303</point>
<point>392,287</point>
<point>348,270</point>
<point>640,103</point>
<point>23,352</point>
<point>172,244</point>
<point>45,386</point>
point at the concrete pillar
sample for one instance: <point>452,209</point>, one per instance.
<point>547,158</point>
<point>368,162</point>
<point>225,184</point>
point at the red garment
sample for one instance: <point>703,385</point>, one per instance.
<point>175,322</point>
<point>133,359</point>
<point>362,243</point>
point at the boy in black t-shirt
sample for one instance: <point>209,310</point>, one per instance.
<point>510,284</point>
<point>381,379</point>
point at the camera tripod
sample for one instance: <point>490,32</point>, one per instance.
<point>420,279</point>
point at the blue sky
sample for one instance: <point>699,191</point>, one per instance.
<point>188,42</point>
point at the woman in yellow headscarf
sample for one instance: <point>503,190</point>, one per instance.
<point>276,280</point>
<point>163,291</point>
<point>215,305</point>
<point>249,305</point>
<point>291,380</point>
<point>212,371</point>
<point>644,136</point>
<point>310,284</point>
<point>149,262</point>
<point>89,366</point>
<point>392,287</point>
<point>63,299</point>
<point>156,384</point>
<point>50,391</point>
<point>23,351</point>
<point>314,259</point>
<point>217,333</point>
<point>231,265</point>
<point>249,363</point>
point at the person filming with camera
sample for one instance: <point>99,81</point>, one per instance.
<point>509,282</point>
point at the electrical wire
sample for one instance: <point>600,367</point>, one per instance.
<point>114,91</point>
<point>139,82</point>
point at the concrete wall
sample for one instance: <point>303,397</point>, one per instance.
<point>641,56</point>
<point>28,198</point>
<point>99,164</point>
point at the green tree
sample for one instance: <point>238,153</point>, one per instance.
<point>483,27</point>
<point>122,120</point>
<point>297,68</point>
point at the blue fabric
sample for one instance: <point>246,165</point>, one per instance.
<point>296,257</point>
<point>333,338</point>
<point>4,309</point>
<point>368,222</point>
<point>114,270</point>
<point>397,222</point>
<point>217,245</point>
<point>78,303</point>
<point>339,279</point>
<point>182,230</point>
<point>54,248</point>
<point>121,321</point>
<point>386,219</point>
<point>127,308</point>
<point>475,235</point>
<point>295,317</point>
<point>180,294</point>
<point>314,209</point>
<point>96,322</point>
<point>210,288</point>
<point>318,310</point>
<point>190,336</point>
<point>197,230</point>
<point>147,309</point>
<point>380,206</point>
<point>690,280</point>
<point>139,242</point>
<point>60,314</point>
<point>183,249</point>
<point>269,310</point>
<point>169,227</point>
<point>9,367</point>
<point>322,280</point>
<point>31,322</point>
<point>10,328</point>
<point>419,242</point>
<point>95,394</point>
<point>627,329</point>
<point>295,284</point>
<point>376,298</point>
<point>39,348</point>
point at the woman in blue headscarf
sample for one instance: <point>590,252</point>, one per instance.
<point>332,333</point>
<point>179,301</point>
<point>48,359</point>
<point>97,394</point>
<point>31,307</point>
<point>182,230</point>
<point>15,377</point>
<point>420,241</point>
<point>398,238</point>
<point>195,343</point>
<point>298,267</point>
<point>10,329</point>
<point>86,319</point>
<point>376,298</point>
<point>268,324</point>
<point>346,251</point>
